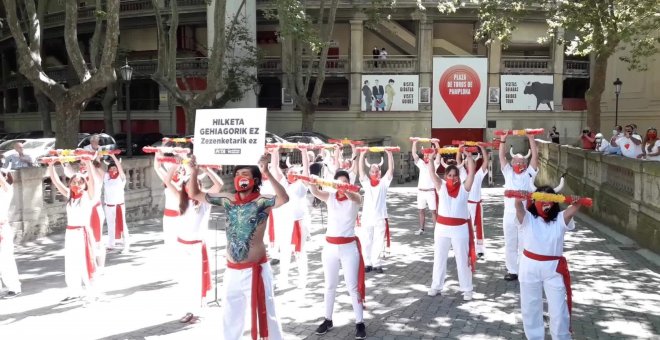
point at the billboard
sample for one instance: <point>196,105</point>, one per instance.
<point>527,92</point>
<point>459,92</point>
<point>389,92</point>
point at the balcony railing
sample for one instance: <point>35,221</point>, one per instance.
<point>576,68</point>
<point>334,64</point>
<point>392,64</point>
<point>526,65</point>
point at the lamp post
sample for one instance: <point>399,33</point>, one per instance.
<point>126,75</point>
<point>617,90</point>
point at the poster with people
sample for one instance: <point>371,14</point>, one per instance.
<point>527,92</point>
<point>230,136</point>
<point>390,92</point>
<point>459,98</point>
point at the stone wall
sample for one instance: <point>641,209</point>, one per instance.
<point>626,191</point>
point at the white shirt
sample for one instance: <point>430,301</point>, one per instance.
<point>98,187</point>
<point>266,187</point>
<point>113,189</point>
<point>374,207</point>
<point>628,148</point>
<point>5,202</point>
<point>383,54</point>
<point>192,227</point>
<point>453,207</point>
<point>425,181</point>
<point>171,200</point>
<point>654,149</point>
<point>604,145</point>
<point>78,211</point>
<point>514,181</point>
<point>296,207</point>
<point>544,238</point>
<point>475,191</point>
<point>341,217</point>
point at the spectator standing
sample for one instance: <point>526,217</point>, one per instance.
<point>588,139</point>
<point>383,56</point>
<point>376,54</point>
<point>651,147</point>
<point>616,134</point>
<point>630,145</point>
<point>19,159</point>
<point>554,135</point>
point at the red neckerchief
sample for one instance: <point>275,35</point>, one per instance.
<point>453,191</point>
<point>374,182</point>
<point>340,198</point>
<point>115,176</point>
<point>250,197</point>
<point>76,196</point>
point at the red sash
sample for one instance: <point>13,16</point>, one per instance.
<point>171,213</point>
<point>89,257</point>
<point>296,238</point>
<point>478,222</point>
<point>259,314</point>
<point>95,223</point>
<point>455,222</point>
<point>271,228</point>
<point>387,233</point>
<point>362,286</point>
<point>119,220</point>
<point>206,271</point>
<point>562,268</point>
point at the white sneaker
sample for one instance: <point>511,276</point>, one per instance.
<point>419,232</point>
<point>467,296</point>
<point>433,292</point>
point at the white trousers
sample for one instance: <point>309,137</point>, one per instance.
<point>348,257</point>
<point>458,238</point>
<point>512,242</point>
<point>237,297</point>
<point>8,270</point>
<point>75,263</point>
<point>372,238</point>
<point>111,219</point>
<point>536,277</point>
<point>287,249</point>
<point>472,208</point>
<point>190,276</point>
<point>170,226</point>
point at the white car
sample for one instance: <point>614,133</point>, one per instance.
<point>35,148</point>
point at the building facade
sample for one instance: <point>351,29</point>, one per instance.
<point>412,39</point>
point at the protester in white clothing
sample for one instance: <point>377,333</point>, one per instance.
<point>517,176</point>
<point>293,220</point>
<point>248,279</point>
<point>114,183</point>
<point>425,192</point>
<point>8,269</point>
<point>474,199</point>
<point>453,227</point>
<point>374,228</point>
<point>651,147</point>
<point>543,268</point>
<point>79,263</point>
<point>171,214</point>
<point>342,249</point>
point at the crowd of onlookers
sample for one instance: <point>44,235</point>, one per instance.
<point>625,141</point>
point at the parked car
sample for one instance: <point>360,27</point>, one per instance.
<point>9,145</point>
<point>32,134</point>
<point>35,148</point>
<point>105,140</point>
<point>306,137</point>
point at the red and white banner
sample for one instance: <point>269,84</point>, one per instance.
<point>460,86</point>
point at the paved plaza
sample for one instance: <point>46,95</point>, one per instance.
<point>615,290</point>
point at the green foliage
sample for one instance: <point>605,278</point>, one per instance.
<point>241,56</point>
<point>296,23</point>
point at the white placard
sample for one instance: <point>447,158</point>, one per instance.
<point>459,92</point>
<point>389,92</point>
<point>527,92</point>
<point>230,136</point>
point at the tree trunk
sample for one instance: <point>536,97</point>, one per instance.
<point>44,111</point>
<point>595,92</point>
<point>190,112</point>
<point>108,100</point>
<point>308,116</point>
<point>67,124</point>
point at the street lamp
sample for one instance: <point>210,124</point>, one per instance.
<point>617,90</point>
<point>126,74</point>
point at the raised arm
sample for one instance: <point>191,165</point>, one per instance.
<point>305,163</point>
<point>337,155</point>
<point>354,196</point>
<point>484,155</point>
<point>159,168</point>
<point>361,173</point>
<point>471,165</point>
<point>55,180</point>
<point>281,196</point>
<point>459,154</point>
<point>168,183</point>
<point>318,193</point>
<point>390,165</point>
<point>437,181</point>
<point>275,162</point>
<point>3,184</point>
<point>520,210</point>
<point>120,169</point>
<point>91,180</point>
<point>570,212</point>
<point>68,170</point>
<point>502,152</point>
<point>414,151</point>
<point>436,143</point>
<point>534,163</point>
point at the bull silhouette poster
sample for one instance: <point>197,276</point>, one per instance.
<point>460,92</point>
<point>527,92</point>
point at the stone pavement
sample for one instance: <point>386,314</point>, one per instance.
<point>615,290</point>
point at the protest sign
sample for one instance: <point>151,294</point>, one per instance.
<point>230,136</point>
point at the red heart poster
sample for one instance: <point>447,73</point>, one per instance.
<point>459,87</point>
